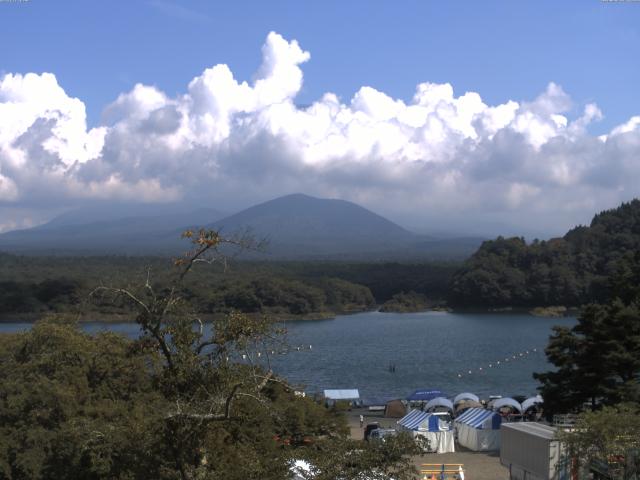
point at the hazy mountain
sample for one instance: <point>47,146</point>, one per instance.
<point>122,229</point>
<point>300,226</point>
<point>296,226</point>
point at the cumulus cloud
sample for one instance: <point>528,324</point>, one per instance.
<point>436,158</point>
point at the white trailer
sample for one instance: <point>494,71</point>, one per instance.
<point>531,451</point>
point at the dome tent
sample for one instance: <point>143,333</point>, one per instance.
<point>506,402</point>
<point>395,409</point>
<point>465,396</point>
<point>531,403</point>
<point>439,403</point>
<point>464,405</point>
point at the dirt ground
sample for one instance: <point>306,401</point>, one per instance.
<point>477,465</point>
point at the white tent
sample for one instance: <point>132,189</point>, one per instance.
<point>531,402</point>
<point>465,396</point>
<point>439,404</point>
<point>506,402</point>
<point>479,429</point>
<point>437,432</point>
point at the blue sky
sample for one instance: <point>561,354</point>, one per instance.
<point>500,49</point>
<point>476,116</point>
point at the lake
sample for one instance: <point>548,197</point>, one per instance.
<point>430,350</point>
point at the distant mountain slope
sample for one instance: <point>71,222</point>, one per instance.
<point>298,227</point>
<point>302,225</point>
<point>569,271</point>
<point>88,231</point>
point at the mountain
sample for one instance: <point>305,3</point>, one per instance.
<point>296,227</point>
<point>575,269</point>
<point>299,226</point>
<point>101,230</point>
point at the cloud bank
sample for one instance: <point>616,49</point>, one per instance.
<point>440,159</point>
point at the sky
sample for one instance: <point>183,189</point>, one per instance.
<point>468,117</point>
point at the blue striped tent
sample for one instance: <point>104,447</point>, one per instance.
<point>430,426</point>
<point>418,420</point>
<point>480,418</point>
<point>479,429</point>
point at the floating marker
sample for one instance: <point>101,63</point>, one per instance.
<point>469,372</point>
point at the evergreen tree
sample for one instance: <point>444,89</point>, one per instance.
<point>598,360</point>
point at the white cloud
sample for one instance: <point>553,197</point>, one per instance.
<point>437,157</point>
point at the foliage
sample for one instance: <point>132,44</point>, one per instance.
<point>406,302</point>
<point>185,400</point>
<point>77,406</point>
<point>348,459</point>
<point>570,271</point>
<point>598,360</point>
<point>36,285</point>
<point>610,436</point>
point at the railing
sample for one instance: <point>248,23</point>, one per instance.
<point>564,421</point>
<point>442,471</point>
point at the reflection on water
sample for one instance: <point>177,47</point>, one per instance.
<point>428,350</point>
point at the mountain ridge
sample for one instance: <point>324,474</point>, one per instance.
<point>298,226</point>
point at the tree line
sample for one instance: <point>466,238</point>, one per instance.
<point>34,285</point>
<point>570,271</point>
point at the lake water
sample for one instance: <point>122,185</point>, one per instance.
<point>430,350</point>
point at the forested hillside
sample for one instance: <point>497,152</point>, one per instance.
<point>32,286</point>
<point>569,271</point>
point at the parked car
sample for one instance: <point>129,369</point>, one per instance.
<point>382,433</point>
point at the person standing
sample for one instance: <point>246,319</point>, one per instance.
<point>361,421</point>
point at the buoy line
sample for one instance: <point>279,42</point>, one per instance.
<point>508,359</point>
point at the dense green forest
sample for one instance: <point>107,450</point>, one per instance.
<point>570,271</point>
<point>34,285</point>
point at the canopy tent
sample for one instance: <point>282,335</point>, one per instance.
<point>395,409</point>
<point>507,402</point>
<point>464,405</point>
<point>465,396</point>
<point>424,395</point>
<point>439,402</point>
<point>437,432</point>
<point>479,429</point>
<point>531,402</point>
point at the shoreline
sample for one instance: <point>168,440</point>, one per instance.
<point>544,312</point>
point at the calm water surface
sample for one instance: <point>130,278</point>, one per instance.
<point>429,350</point>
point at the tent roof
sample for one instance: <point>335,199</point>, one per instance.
<point>439,402</point>
<point>424,395</point>
<point>507,402</point>
<point>418,420</point>
<point>530,402</point>
<point>465,396</point>
<point>465,404</point>
<point>345,394</point>
<point>480,418</point>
